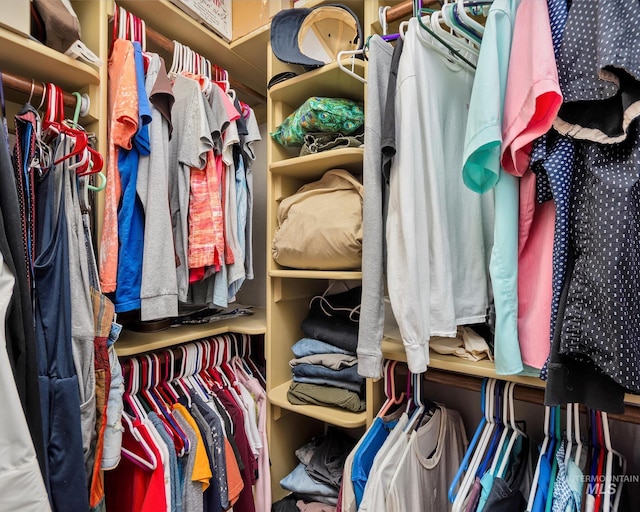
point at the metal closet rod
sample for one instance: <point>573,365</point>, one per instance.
<point>404,9</point>
<point>522,392</point>
<point>21,84</point>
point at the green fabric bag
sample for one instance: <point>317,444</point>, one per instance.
<point>319,114</point>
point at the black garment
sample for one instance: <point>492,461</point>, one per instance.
<point>389,116</point>
<point>571,381</point>
<point>337,332</point>
<point>229,428</point>
<point>334,319</point>
<point>20,333</point>
<point>601,322</point>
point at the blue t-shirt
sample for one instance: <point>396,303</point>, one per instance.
<point>131,212</point>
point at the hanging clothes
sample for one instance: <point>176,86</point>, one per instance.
<point>482,173</point>
<point>21,483</point>
<point>438,232</point>
<point>58,380</point>
<point>21,342</point>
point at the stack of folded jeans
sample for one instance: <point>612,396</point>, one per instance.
<point>318,475</point>
<point>324,374</point>
<point>325,367</point>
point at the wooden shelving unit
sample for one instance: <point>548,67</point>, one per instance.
<point>333,415</point>
<point>290,289</point>
<point>131,342</point>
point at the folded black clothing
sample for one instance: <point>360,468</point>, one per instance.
<point>335,331</point>
<point>344,305</point>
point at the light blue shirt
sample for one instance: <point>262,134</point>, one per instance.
<point>482,173</point>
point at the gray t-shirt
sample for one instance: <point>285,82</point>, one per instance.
<point>188,148</point>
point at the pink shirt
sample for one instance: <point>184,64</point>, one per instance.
<point>532,101</point>
<point>533,96</point>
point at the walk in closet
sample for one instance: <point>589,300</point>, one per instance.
<point>236,373</point>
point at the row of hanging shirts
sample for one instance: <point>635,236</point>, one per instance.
<point>182,233</point>
<point>194,431</point>
<point>499,468</point>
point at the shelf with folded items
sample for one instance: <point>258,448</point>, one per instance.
<point>131,343</point>
<point>310,167</point>
<point>332,415</point>
<point>29,58</point>
<point>393,349</point>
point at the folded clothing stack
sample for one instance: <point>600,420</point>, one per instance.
<point>325,367</point>
<point>318,475</point>
<point>317,384</point>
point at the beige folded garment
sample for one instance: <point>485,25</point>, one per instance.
<point>468,344</point>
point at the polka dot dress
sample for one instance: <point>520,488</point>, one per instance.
<point>601,321</point>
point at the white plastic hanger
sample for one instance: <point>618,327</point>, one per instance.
<point>466,19</point>
<point>152,462</point>
<point>456,42</point>
<point>506,429</point>
<point>577,433</point>
<point>516,432</point>
<point>569,446</point>
<point>351,72</point>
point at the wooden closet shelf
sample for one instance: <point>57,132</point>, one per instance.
<point>314,166</point>
<point>341,275</point>
<point>394,350</point>
<point>131,343</point>
<point>333,415</point>
<point>33,60</point>
<point>329,80</point>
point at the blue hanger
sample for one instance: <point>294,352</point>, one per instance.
<point>472,445</point>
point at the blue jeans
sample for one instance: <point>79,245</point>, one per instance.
<point>310,346</point>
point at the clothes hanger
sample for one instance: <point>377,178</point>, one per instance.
<point>504,427</point>
<point>459,43</point>
<point>577,433</point>
<point>151,462</point>
<point>450,18</point>
<point>601,460</point>
<point>448,51</point>
<point>500,412</point>
<point>466,19</point>
<point>390,388</point>
<point>478,453</point>
<point>569,434</point>
<point>476,436</point>
<point>554,462</point>
<point>545,444</point>
<point>516,433</point>
<point>345,53</point>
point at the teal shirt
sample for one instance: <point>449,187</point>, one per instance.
<point>482,173</point>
